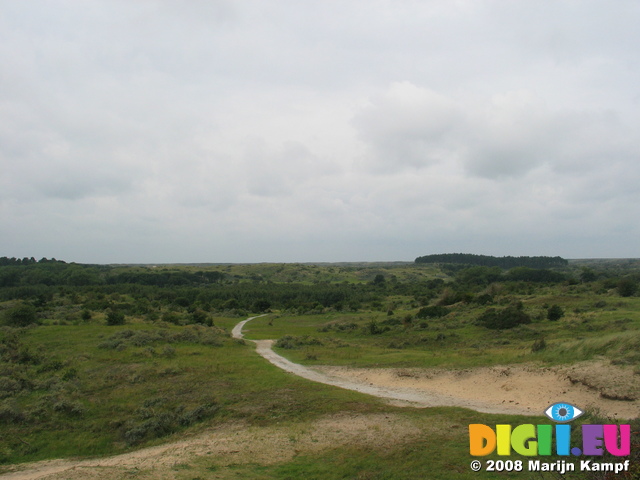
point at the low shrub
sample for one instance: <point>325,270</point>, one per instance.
<point>499,319</point>
<point>434,311</point>
<point>291,342</point>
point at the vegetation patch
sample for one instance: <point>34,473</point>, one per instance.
<point>289,342</point>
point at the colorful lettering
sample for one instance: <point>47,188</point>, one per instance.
<point>529,440</point>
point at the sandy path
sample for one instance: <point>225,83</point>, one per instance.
<point>521,389</point>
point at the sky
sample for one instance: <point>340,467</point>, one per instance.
<point>161,131</point>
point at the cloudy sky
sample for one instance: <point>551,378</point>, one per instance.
<point>286,130</point>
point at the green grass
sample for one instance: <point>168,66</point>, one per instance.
<point>593,325</point>
<point>117,389</point>
<point>621,347</point>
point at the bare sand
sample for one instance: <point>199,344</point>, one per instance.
<point>611,390</point>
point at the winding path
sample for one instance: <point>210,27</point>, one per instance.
<point>399,396</point>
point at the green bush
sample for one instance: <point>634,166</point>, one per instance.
<point>435,311</point>
<point>171,317</point>
<point>509,317</point>
<point>292,342</point>
<point>627,287</point>
<point>373,328</point>
<point>201,317</point>
<point>22,315</point>
<point>9,387</point>
<point>68,407</point>
<point>555,312</point>
<point>157,419</point>
<point>115,318</point>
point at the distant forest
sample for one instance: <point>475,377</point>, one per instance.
<point>4,261</point>
<point>489,261</point>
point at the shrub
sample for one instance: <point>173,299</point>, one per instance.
<point>156,423</point>
<point>261,306</point>
<point>168,351</point>
<point>198,414</point>
<point>115,318</point>
<point>504,318</point>
<point>450,296</point>
<point>483,299</point>
<point>70,408</point>
<point>201,317</point>
<point>391,321</point>
<point>22,315</point>
<point>70,374</point>
<point>555,312</point>
<point>290,342</point>
<point>435,311</point>
<point>10,412</point>
<point>9,387</point>
<point>373,328</point>
<point>539,344</point>
<point>171,317</point>
<point>157,426</point>
<point>627,287</point>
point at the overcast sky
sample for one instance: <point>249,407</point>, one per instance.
<point>284,131</point>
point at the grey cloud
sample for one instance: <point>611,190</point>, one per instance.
<point>407,126</point>
<point>508,135</point>
<point>282,170</point>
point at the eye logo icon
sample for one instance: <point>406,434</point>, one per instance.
<point>562,412</point>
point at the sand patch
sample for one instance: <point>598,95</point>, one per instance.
<point>611,389</point>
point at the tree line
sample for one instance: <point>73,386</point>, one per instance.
<point>490,261</point>
<point>4,261</point>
